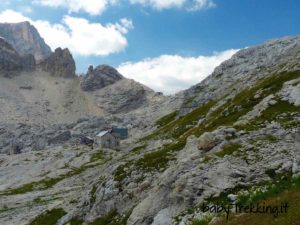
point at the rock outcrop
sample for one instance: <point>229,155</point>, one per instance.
<point>60,64</point>
<point>11,62</point>
<point>100,77</point>
<point>25,39</point>
<point>123,96</point>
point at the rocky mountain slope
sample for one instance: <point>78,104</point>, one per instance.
<point>25,39</point>
<point>100,77</point>
<point>233,138</point>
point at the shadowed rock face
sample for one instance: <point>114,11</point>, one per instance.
<point>60,64</point>
<point>25,39</point>
<point>100,77</point>
<point>11,62</point>
<point>10,59</point>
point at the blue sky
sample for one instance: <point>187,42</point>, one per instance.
<point>168,45</point>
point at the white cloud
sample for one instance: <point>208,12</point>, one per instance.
<point>191,5</point>
<point>92,7</point>
<point>78,34</point>
<point>87,38</point>
<point>159,4</point>
<point>172,73</point>
<point>202,4</point>
<point>10,16</point>
<point>96,7</point>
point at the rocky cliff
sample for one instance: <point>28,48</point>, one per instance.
<point>25,39</point>
<point>11,62</point>
<point>60,64</point>
<point>100,77</point>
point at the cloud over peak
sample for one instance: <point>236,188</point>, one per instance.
<point>78,34</point>
<point>173,73</point>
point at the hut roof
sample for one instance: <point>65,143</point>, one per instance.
<point>102,133</point>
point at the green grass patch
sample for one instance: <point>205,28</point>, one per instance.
<point>228,149</point>
<point>207,158</point>
<point>50,182</point>
<point>106,219</point>
<point>93,194</point>
<point>138,149</point>
<point>189,100</point>
<point>166,119</point>
<point>97,156</point>
<point>5,209</point>
<point>75,221</point>
<point>49,217</point>
<point>280,112</point>
<point>269,138</point>
<point>273,112</point>
<point>160,158</point>
<point>178,127</point>
<point>120,173</point>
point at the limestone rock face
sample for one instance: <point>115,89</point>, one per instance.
<point>291,92</point>
<point>28,62</point>
<point>11,62</point>
<point>10,59</point>
<point>61,137</point>
<point>123,96</point>
<point>15,148</point>
<point>25,39</point>
<point>100,77</point>
<point>60,64</point>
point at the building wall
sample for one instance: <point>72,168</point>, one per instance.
<point>108,141</point>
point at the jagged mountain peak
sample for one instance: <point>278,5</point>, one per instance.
<point>25,39</point>
<point>100,77</point>
<point>60,63</point>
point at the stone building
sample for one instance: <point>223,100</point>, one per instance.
<point>111,138</point>
<point>106,140</point>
